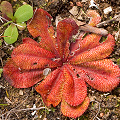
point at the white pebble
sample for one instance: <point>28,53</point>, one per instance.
<point>46,71</point>
<point>74,10</point>
<point>20,92</point>
<point>107,10</point>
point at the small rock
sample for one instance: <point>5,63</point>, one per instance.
<point>33,113</point>
<point>2,86</point>
<point>40,116</point>
<point>93,4</point>
<point>92,98</point>
<point>107,10</point>
<point>20,92</point>
<point>84,0</point>
<point>58,118</point>
<point>45,119</point>
<point>46,71</point>
<point>101,115</point>
<point>74,10</point>
<point>117,34</point>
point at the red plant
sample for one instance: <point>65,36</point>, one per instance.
<point>72,63</point>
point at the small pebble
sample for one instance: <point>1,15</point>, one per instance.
<point>107,10</point>
<point>45,119</point>
<point>40,116</point>
<point>20,92</point>
<point>92,98</point>
<point>84,0</point>
<point>74,10</point>
<point>93,4</point>
<point>101,115</point>
<point>46,71</point>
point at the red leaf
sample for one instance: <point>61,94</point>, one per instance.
<point>30,41</point>
<point>75,46</point>
<point>65,29</point>
<point>32,50</point>
<point>74,87</point>
<point>95,17</point>
<point>51,88</point>
<point>102,75</point>
<point>33,62</point>
<point>97,53</point>
<point>74,111</point>
<point>89,42</point>
<point>89,39</point>
<point>56,92</point>
<point>21,79</point>
<point>30,56</point>
<point>40,25</point>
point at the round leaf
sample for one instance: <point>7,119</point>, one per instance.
<point>6,9</point>
<point>11,34</point>
<point>23,13</point>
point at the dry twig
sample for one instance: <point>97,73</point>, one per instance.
<point>8,112</point>
<point>83,26</point>
<point>19,110</point>
<point>98,110</point>
<point>87,28</point>
<point>115,18</point>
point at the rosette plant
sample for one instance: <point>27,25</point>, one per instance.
<point>72,64</point>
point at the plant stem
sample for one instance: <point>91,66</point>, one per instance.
<point>6,24</point>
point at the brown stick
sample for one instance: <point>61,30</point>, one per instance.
<point>96,30</point>
<point>83,26</point>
